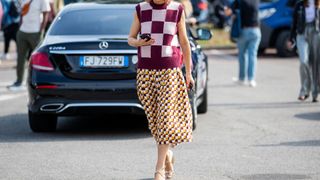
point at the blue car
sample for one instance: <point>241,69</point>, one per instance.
<point>276,20</point>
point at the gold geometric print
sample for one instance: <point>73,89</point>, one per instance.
<point>164,96</point>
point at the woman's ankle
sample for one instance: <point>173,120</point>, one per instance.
<point>160,168</point>
<point>159,174</point>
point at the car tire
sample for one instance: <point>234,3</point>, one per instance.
<point>193,103</point>
<point>281,45</point>
<point>42,122</point>
<point>203,107</point>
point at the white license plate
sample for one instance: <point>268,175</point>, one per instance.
<point>104,61</point>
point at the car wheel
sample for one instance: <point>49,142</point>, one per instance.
<point>42,122</point>
<point>203,107</point>
<point>193,103</point>
<point>281,45</point>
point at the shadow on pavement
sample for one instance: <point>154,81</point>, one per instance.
<point>275,176</point>
<point>15,128</point>
<point>269,105</point>
<point>315,116</point>
<point>307,143</point>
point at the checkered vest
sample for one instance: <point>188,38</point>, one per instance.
<point>161,22</point>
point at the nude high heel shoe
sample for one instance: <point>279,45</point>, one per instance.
<point>161,173</point>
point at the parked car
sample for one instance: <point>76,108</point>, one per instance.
<point>276,20</point>
<point>84,66</point>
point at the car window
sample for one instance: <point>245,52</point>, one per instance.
<point>94,22</point>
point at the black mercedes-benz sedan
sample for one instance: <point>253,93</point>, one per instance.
<point>85,66</point>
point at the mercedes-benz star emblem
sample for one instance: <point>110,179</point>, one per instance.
<point>103,45</point>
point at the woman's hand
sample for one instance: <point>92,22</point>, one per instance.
<point>145,42</point>
<point>290,45</point>
<point>189,81</point>
<point>227,11</point>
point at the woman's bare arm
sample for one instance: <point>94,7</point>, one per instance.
<point>135,28</point>
<point>185,46</point>
<point>184,43</point>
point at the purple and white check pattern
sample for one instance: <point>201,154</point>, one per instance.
<point>161,23</point>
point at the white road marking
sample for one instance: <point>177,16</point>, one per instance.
<point>11,96</point>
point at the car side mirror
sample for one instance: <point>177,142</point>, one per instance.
<point>203,34</point>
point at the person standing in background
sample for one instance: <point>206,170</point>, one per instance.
<point>224,21</point>
<point>34,20</point>
<point>305,32</point>
<point>10,23</point>
<point>249,40</point>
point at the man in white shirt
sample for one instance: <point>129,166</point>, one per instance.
<point>29,35</point>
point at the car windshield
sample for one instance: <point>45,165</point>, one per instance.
<point>94,22</point>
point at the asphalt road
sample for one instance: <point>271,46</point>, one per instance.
<point>260,133</point>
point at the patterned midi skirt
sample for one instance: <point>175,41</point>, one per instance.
<point>164,96</point>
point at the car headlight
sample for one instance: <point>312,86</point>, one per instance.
<point>265,13</point>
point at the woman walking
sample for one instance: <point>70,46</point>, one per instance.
<point>161,87</point>
<point>306,32</point>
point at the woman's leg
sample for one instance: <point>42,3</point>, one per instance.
<point>169,165</point>
<point>15,30</point>
<point>253,45</point>
<point>22,48</point>
<point>7,38</point>
<point>314,45</point>
<point>242,54</point>
<point>162,153</point>
<point>305,73</point>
